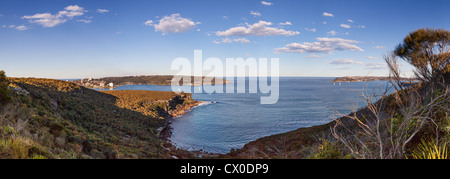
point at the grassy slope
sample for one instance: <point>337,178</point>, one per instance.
<point>60,119</point>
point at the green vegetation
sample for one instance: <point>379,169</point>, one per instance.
<point>327,150</point>
<point>428,51</point>
<point>430,150</point>
<point>57,119</point>
<point>4,90</point>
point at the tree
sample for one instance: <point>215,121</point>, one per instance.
<point>428,50</point>
<point>4,88</point>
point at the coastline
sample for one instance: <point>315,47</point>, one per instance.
<point>165,133</point>
<point>114,82</point>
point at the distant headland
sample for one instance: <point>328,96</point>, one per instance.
<point>368,78</point>
<point>112,82</point>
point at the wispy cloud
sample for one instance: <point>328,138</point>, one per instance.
<point>315,56</point>
<point>265,3</point>
<point>311,30</point>
<point>21,27</point>
<point>379,47</point>
<point>332,33</point>
<point>101,11</point>
<point>345,26</point>
<point>260,28</point>
<point>346,62</point>
<point>229,41</point>
<point>324,45</point>
<point>255,13</point>
<point>285,23</point>
<point>373,66</point>
<point>326,14</point>
<point>148,23</point>
<point>376,66</point>
<point>52,20</point>
<point>86,21</point>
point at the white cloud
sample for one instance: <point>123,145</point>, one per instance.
<point>101,11</point>
<point>324,22</point>
<point>326,14</point>
<point>324,45</point>
<point>311,30</point>
<point>346,62</point>
<point>266,3</point>
<point>46,19</point>
<point>362,26</point>
<point>255,13</point>
<point>86,21</point>
<point>380,47</point>
<point>345,26</point>
<point>174,24</point>
<point>148,23</point>
<point>376,66</point>
<point>229,41</point>
<point>258,29</point>
<point>52,20</point>
<point>242,40</point>
<point>72,11</point>
<point>285,23</point>
<point>225,17</point>
<point>373,66</point>
<point>22,27</point>
<point>315,56</point>
<point>373,58</point>
<point>332,33</point>
<point>351,21</point>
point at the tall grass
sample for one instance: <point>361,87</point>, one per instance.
<point>430,150</point>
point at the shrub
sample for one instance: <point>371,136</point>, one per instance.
<point>15,148</point>
<point>327,150</point>
<point>4,89</point>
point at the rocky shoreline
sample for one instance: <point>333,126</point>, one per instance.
<point>165,133</point>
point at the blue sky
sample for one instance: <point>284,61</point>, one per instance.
<point>97,38</point>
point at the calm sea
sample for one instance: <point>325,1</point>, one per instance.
<point>230,121</point>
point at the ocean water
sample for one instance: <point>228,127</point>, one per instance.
<point>228,121</point>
